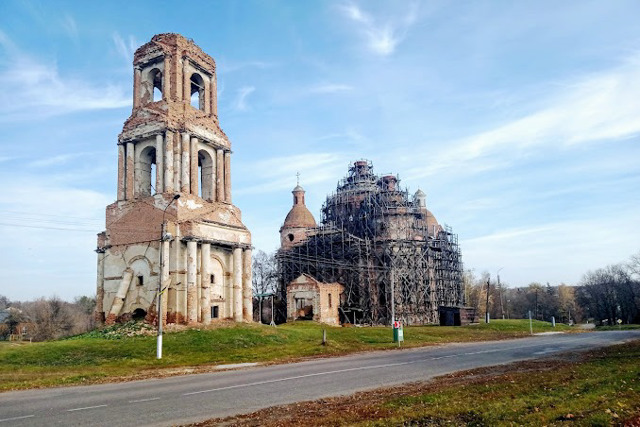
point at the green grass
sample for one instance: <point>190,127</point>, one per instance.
<point>603,390</point>
<point>615,328</point>
<point>598,388</point>
<point>103,355</point>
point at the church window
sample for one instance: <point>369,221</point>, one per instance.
<point>152,87</point>
<point>290,237</point>
<point>197,91</point>
<point>205,175</point>
<point>145,173</point>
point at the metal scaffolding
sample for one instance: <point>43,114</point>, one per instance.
<point>372,232</point>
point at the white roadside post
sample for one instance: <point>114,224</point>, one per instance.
<point>164,236</point>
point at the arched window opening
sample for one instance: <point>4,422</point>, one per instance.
<point>205,175</point>
<point>145,173</point>
<point>152,87</point>
<point>157,87</point>
<point>197,91</point>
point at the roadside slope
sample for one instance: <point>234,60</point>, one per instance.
<point>128,352</point>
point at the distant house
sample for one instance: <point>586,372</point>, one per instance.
<point>16,328</point>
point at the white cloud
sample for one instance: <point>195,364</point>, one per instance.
<point>55,160</point>
<point>229,67</point>
<point>328,88</point>
<point>556,251</point>
<point>241,100</point>
<point>596,107</point>
<point>70,26</point>
<point>348,134</point>
<point>31,88</point>
<point>125,48</point>
<point>279,173</point>
<point>382,39</point>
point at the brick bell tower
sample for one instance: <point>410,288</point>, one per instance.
<point>173,226</point>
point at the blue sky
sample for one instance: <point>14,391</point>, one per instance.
<point>520,120</point>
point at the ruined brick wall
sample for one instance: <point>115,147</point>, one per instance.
<point>165,232</point>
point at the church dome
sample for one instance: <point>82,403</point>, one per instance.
<point>432,223</point>
<point>299,216</point>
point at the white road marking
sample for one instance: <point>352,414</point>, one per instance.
<point>545,351</point>
<point>296,377</point>
<point>17,418</point>
<point>362,368</point>
<point>144,400</point>
<point>86,407</point>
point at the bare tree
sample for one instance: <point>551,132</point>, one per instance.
<point>4,302</point>
<point>610,293</point>
<point>264,273</point>
<point>49,318</point>
<point>633,265</point>
<point>476,292</point>
<point>82,310</point>
<point>568,309</point>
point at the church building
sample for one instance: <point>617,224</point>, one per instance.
<point>173,229</point>
<point>377,255</point>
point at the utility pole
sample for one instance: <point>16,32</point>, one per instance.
<point>393,301</point>
<point>164,237</point>
<point>487,318</point>
<point>500,293</point>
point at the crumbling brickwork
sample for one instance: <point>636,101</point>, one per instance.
<point>173,227</point>
<point>310,299</point>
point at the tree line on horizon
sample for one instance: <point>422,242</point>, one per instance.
<point>603,296</point>
<point>46,318</point>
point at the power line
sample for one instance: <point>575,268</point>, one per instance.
<point>48,228</point>
<point>2,211</point>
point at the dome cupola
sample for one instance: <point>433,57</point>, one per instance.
<point>297,221</point>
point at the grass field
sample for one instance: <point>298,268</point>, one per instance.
<point>110,354</point>
<point>598,388</point>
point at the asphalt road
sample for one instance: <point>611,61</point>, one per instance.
<point>198,397</point>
